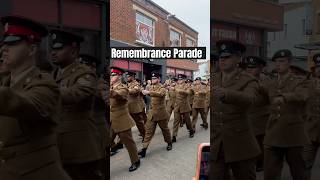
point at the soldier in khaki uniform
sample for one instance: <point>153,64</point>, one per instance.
<point>99,110</point>
<point>157,114</point>
<point>208,96</point>
<point>313,118</point>
<point>191,95</point>
<point>233,145</point>
<point>285,131</point>
<point>172,95</point>
<point>28,101</point>
<point>199,103</point>
<point>181,108</point>
<point>78,139</point>
<point>121,121</point>
<point>135,103</point>
<point>259,113</point>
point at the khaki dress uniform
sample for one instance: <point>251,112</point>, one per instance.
<point>157,115</point>
<point>233,144</point>
<point>172,100</point>
<point>121,121</point>
<point>77,130</point>
<point>181,108</point>
<point>136,106</point>
<point>285,131</point>
<point>259,114</point>
<point>199,105</point>
<point>28,121</point>
<point>312,124</point>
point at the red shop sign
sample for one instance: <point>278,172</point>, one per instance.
<point>223,32</point>
<point>250,36</point>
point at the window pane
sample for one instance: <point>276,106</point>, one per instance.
<point>144,29</point>
<point>174,38</point>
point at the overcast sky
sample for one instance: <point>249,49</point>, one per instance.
<point>195,13</point>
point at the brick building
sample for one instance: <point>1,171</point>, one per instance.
<point>144,23</point>
<point>81,16</point>
<point>246,21</point>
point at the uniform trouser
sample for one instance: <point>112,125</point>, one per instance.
<point>87,171</point>
<point>309,156</point>
<point>273,162</point>
<point>139,120</point>
<point>260,139</point>
<point>151,129</point>
<point>170,109</point>
<point>127,140</point>
<point>195,112</point>
<point>241,170</point>
<point>177,121</point>
<point>207,110</point>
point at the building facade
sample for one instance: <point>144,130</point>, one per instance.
<point>245,21</point>
<point>143,23</point>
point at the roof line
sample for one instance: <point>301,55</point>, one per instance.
<point>162,9</point>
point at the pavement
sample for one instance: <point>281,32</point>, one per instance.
<point>160,164</point>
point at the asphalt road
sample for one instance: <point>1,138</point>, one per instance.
<point>160,164</point>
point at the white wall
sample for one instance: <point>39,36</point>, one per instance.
<point>294,20</point>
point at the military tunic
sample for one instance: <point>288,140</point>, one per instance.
<point>121,121</point>
<point>181,107</point>
<point>157,115</point>
<point>199,104</point>
<point>285,131</point>
<point>233,141</point>
<point>136,106</point>
<point>28,121</point>
<point>77,131</point>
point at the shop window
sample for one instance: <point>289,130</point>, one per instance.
<point>144,29</point>
<point>175,38</point>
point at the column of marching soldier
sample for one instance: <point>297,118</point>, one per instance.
<point>179,95</point>
<point>261,120</point>
<point>52,126</point>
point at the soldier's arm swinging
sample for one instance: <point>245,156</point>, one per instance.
<point>82,89</point>
<point>242,98</point>
<point>121,94</point>
<point>160,93</point>
<point>34,104</point>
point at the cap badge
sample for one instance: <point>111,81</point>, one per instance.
<point>54,36</point>
<point>223,47</point>
<point>282,53</point>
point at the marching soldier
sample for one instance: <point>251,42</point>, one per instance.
<point>233,145</point>
<point>28,101</point>
<point>313,118</point>
<point>99,109</point>
<point>78,140</point>
<point>285,131</point>
<point>199,103</point>
<point>121,121</point>
<point>181,108</point>
<point>259,113</point>
<point>208,96</point>
<point>172,95</point>
<point>157,114</point>
<point>135,103</point>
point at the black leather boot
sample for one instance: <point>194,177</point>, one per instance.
<point>174,139</point>
<point>134,166</point>
<point>169,147</point>
<point>142,153</point>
